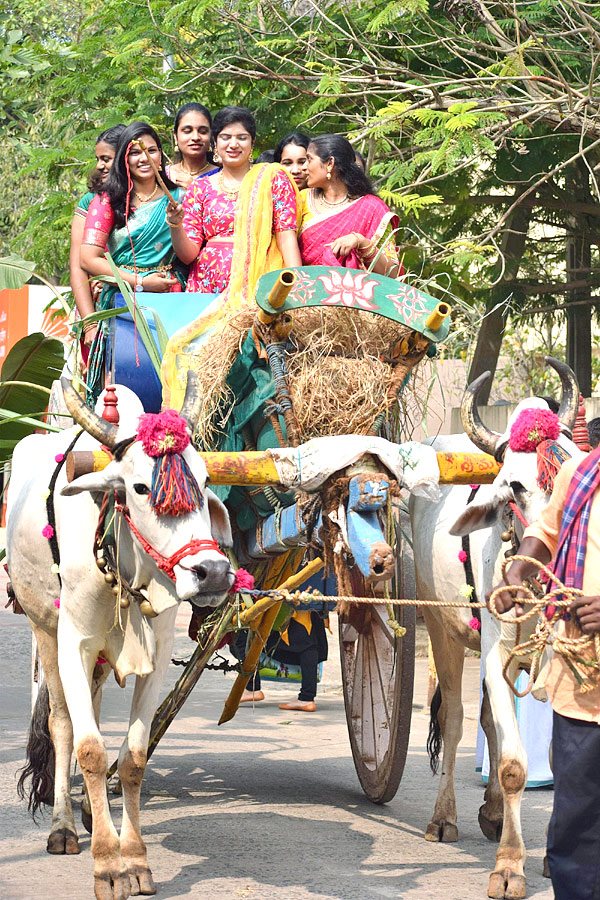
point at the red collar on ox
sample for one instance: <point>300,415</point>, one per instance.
<point>167,563</point>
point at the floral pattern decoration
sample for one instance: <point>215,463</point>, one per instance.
<point>408,303</point>
<point>350,289</point>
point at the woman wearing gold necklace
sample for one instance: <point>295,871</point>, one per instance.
<point>203,228</point>
<point>344,223</point>
<point>192,145</point>
<point>128,219</point>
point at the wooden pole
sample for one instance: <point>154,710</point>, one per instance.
<point>262,628</point>
<point>251,467</point>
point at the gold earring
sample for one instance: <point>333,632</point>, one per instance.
<point>216,157</point>
<point>329,176</point>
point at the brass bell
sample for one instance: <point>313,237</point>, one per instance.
<point>124,602</point>
<point>505,536</point>
<point>101,562</point>
<point>115,590</point>
<point>146,609</point>
<point>109,578</point>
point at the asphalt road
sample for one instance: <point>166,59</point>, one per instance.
<point>266,807</point>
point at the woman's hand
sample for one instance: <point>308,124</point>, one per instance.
<point>344,245</point>
<point>158,282</point>
<point>89,334</point>
<point>174,214</point>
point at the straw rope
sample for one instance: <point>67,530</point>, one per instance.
<point>581,654</point>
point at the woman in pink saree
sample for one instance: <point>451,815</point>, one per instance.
<point>344,223</point>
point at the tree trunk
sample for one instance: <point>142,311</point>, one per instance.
<point>491,331</point>
<point>578,254</point>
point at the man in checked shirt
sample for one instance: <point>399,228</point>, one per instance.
<point>568,533</point>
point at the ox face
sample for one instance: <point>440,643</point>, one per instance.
<point>203,578</point>
<point>517,481</point>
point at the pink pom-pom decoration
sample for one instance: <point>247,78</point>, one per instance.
<point>244,581</point>
<point>462,556</point>
<point>531,427</point>
<point>162,433</point>
<point>475,624</point>
<point>48,532</point>
<point>57,603</point>
<point>100,661</point>
<point>59,457</point>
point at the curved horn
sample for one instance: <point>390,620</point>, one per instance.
<point>569,401</point>
<point>98,427</point>
<point>192,402</point>
<point>481,436</point>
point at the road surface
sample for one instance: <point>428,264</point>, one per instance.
<point>266,807</point>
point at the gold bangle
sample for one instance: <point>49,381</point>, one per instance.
<point>361,237</point>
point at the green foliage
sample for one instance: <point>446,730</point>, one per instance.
<point>454,111</point>
<point>26,377</point>
<point>14,272</point>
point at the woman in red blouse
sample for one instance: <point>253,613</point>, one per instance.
<point>203,227</point>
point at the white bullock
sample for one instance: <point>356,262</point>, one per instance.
<point>88,622</point>
<point>437,528</point>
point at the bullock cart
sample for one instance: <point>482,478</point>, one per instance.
<point>303,406</point>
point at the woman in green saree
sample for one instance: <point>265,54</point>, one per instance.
<point>128,220</point>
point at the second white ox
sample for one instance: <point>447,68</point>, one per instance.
<point>78,625</point>
<point>440,575</point>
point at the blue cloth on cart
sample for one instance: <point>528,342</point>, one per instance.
<point>174,311</point>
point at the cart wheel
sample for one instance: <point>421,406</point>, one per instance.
<point>377,675</point>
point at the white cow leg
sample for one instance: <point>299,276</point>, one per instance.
<point>508,878</point>
<point>111,881</point>
<point>449,662</point>
<point>63,834</point>
<point>491,813</point>
<point>132,758</point>
<point>101,673</point>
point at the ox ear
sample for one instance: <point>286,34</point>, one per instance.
<point>109,479</point>
<point>483,514</point>
<point>220,526</point>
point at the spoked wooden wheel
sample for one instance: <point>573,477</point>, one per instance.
<point>377,675</point>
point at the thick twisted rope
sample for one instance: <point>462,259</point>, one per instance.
<point>581,654</point>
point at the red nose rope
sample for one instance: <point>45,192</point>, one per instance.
<point>167,563</point>
<point>518,513</point>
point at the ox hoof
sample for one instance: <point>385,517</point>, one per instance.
<point>444,832</point>
<point>112,887</point>
<point>506,885</point>
<point>491,828</point>
<point>141,881</point>
<point>546,868</point>
<point>63,841</point>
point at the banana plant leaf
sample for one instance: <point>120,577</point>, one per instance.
<point>36,360</point>
<point>14,272</point>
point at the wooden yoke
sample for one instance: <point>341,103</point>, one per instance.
<point>257,467</point>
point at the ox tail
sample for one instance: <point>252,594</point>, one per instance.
<point>434,738</point>
<point>39,765</point>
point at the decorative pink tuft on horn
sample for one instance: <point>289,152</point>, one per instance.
<point>531,427</point>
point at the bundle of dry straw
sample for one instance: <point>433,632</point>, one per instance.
<point>338,371</point>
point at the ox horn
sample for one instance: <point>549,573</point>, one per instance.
<point>569,401</point>
<point>481,436</point>
<point>192,402</point>
<point>98,427</point>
